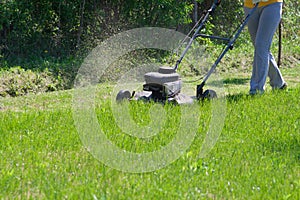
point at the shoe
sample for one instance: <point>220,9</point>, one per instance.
<point>283,87</point>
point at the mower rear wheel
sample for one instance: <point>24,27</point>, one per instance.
<point>209,94</point>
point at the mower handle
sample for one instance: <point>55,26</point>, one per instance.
<point>203,19</point>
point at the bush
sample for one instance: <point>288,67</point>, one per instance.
<point>17,81</point>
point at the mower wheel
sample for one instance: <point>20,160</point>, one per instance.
<point>123,95</point>
<point>209,94</point>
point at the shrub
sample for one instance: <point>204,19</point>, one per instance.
<point>17,81</point>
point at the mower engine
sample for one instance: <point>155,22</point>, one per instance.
<point>163,84</point>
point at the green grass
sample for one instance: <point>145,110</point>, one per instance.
<point>257,155</point>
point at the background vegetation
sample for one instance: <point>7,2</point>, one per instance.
<point>51,37</point>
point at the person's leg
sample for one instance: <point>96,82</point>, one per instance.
<point>252,29</point>
<point>276,79</point>
<point>268,23</point>
<point>252,23</point>
<point>262,26</point>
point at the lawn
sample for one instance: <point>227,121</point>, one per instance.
<point>256,156</point>
<point>59,142</point>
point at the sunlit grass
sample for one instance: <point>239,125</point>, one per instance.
<point>257,155</point>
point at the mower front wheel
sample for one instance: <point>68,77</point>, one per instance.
<point>123,95</point>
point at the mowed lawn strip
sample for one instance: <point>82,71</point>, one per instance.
<point>257,156</point>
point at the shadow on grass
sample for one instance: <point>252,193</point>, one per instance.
<point>230,81</point>
<point>237,97</point>
<point>243,96</point>
<point>236,81</point>
<point>289,149</point>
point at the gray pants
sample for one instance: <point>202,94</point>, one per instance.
<point>262,26</point>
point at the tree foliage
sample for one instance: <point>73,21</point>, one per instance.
<point>61,28</point>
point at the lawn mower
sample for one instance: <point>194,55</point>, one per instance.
<point>165,84</point>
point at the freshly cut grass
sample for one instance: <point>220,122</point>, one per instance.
<point>257,155</point>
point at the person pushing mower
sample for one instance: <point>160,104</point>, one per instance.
<point>262,26</point>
